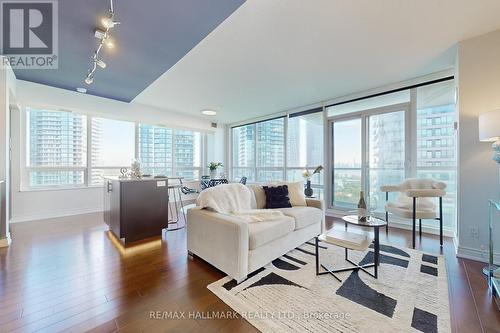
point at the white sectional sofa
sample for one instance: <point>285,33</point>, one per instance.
<point>238,248</point>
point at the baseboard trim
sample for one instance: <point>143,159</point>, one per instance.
<point>45,216</point>
<point>4,242</point>
<point>476,254</point>
<point>403,224</point>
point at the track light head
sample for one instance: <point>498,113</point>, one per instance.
<point>100,63</point>
<point>109,42</point>
<point>108,22</point>
<point>89,79</point>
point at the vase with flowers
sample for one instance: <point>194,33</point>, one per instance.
<point>308,191</point>
<point>213,169</point>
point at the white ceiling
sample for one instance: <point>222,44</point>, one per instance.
<point>275,55</point>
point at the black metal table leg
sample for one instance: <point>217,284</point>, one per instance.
<point>441,221</point>
<point>414,219</point>
<point>317,256</point>
<point>376,251</point>
<point>387,214</point>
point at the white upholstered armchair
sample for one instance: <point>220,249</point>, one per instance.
<point>415,202</point>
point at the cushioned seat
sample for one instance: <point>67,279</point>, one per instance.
<point>415,201</point>
<point>406,211</point>
<point>261,233</point>
<point>349,240</point>
<point>303,215</point>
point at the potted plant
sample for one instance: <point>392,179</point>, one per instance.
<point>213,169</point>
<point>308,191</point>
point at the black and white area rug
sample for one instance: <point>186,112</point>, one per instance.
<point>410,294</point>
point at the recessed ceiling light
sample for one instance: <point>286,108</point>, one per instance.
<point>81,90</point>
<point>209,112</point>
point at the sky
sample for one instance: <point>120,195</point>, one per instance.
<point>347,143</point>
<point>117,142</point>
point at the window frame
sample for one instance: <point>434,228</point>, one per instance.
<point>25,185</point>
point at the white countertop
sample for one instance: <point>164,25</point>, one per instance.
<point>144,179</point>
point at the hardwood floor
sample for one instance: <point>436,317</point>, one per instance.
<point>66,275</point>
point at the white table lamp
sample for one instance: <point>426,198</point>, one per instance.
<point>489,131</point>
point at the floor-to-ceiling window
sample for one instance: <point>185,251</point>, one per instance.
<point>279,148</point>
<point>436,141</point>
<point>305,147</point>
<point>68,149</point>
<point>258,151</point>
<point>386,139</point>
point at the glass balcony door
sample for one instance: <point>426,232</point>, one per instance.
<point>347,161</point>
<point>368,151</point>
<point>386,154</point>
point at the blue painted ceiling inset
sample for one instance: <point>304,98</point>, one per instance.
<point>152,37</point>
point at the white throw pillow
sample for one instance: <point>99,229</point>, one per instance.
<point>259,200</point>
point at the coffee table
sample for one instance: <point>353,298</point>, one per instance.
<point>355,243</point>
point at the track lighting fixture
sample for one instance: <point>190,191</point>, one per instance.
<point>104,37</point>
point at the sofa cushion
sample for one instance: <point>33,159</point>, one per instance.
<point>277,196</point>
<point>303,216</point>
<point>261,233</point>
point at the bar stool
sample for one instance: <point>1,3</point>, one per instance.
<point>175,193</point>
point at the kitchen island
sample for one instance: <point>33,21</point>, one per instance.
<point>136,209</point>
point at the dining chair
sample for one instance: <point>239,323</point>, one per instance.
<point>415,202</point>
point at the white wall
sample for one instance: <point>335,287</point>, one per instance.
<point>479,92</point>
<point>34,205</point>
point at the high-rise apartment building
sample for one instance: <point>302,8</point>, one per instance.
<point>155,149</point>
<point>57,141</point>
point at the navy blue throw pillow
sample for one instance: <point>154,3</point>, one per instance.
<point>277,197</point>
